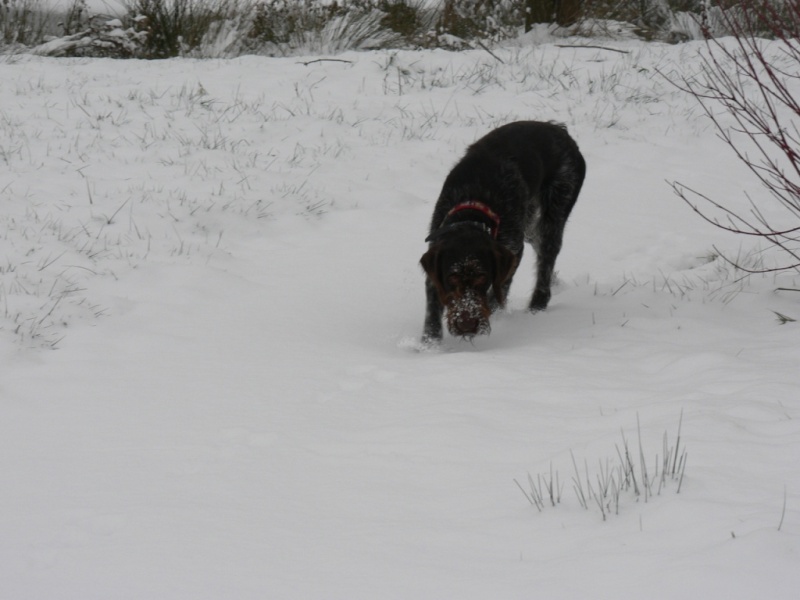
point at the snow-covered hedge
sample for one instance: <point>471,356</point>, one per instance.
<point>102,37</point>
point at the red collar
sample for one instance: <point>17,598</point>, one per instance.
<point>480,207</point>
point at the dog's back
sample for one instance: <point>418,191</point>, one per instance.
<point>521,169</point>
<point>540,150</point>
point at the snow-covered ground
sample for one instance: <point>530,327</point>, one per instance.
<point>209,307</point>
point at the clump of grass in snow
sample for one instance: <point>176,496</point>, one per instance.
<point>626,476</point>
<point>711,277</point>
<point>784,319</point>
<point>207,175</point>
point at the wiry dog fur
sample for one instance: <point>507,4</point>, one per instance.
<point>516,184</point>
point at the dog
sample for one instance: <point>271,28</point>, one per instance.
<point>516,184</point>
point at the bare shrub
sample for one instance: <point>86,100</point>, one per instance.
<point>178,27</point>
<point>561,12</point>
<point>24,22</point>
<point>317,26</point>
<point>482,19</point>
<point>754,81</point>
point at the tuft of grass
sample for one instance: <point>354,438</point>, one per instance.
<point>784,319</point>
<point>626,476</point>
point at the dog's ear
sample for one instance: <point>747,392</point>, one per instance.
<point>505,264</point>
<point>430,263</point>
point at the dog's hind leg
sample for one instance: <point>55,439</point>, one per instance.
<point>557,200</point>
<point>547,246</point>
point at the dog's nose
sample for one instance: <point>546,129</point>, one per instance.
<point>467,324</point>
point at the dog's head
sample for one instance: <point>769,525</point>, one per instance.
<point>464,265</point>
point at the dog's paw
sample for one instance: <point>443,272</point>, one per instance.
<point>430,342</point>
<point>413,344</point>
<point>539,301</point>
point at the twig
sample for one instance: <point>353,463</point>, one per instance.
<point>482,45</point>
<point>316,60</point>
<point>591,46</point>
<point>783,512</point>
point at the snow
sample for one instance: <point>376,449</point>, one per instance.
<point>210,302</point>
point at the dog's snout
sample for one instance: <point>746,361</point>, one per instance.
<point>468,315</point>
<point>467,324</point>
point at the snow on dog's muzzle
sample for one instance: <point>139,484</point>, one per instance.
<point>468,315</point>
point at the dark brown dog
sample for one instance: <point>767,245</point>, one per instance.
<point>516,184</point>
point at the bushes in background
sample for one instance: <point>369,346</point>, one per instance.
<point>24,22</point>
<point>168,28</point>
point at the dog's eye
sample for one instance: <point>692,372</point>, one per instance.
<point>453,280</point>
<point>480,280</point>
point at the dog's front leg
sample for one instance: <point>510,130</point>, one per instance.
<point>432,332</point>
